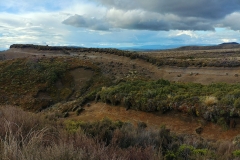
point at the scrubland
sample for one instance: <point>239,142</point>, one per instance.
<point>45,90</point>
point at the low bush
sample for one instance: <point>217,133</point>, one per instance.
<point>237,103</point>
<point>236,153</point>
<point>211,102</point>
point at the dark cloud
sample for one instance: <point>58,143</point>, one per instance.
<point>192,24</point>
<point>210,9</point>
<point>147,25</point>
<point>162,15</point>
<point>136,19</point>
<point>85,22</point>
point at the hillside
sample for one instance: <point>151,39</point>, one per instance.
<point>193,92</point>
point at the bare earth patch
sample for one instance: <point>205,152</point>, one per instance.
<point>176,122</point>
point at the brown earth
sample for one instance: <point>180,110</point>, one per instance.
<point>176,122</point>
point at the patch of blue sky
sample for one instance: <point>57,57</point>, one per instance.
<point>9,10</point>
<point>220,29</point>
<point>30,7</point>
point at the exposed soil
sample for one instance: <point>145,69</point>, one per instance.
<point>176,122</point>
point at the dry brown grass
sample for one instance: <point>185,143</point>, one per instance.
<point>210,100</point>
<point>28,136</point>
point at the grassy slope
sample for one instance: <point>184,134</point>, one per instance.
<point>21,81</point>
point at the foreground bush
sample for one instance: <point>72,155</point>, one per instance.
<point>28,136</point>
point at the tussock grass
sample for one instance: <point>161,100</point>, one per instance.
<point>210,100</point>
<point>30,136</point>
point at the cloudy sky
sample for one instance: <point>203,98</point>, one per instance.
<point>119,23</point>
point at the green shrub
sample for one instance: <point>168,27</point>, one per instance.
<point>236,153</point>
<point>103,130</point>
<point>185,151</point>
<point>170,155</point>
<point>222,122</point>
<point>200,151</point>
<point>227,100</point>
<point>72,126</point>
<point>235,93</point>
<point>237,103</point>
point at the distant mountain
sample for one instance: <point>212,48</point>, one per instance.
<point>229,45</point>
<point>149,47</point>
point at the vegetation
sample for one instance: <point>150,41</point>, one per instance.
<point>210,102</point>
<point>35,84</point>
<point>32,83</point>
<point>34,136</point>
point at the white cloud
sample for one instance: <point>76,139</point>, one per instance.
<point>229,40</point>
<point>31,28</point>
<point>188,33</point>
<point>115,22</point>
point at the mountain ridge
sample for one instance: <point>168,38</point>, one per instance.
<point>229,45</point>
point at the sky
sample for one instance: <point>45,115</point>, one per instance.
<point>119,23</point>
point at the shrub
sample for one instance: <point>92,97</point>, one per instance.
<point>26,135</point>
<point>141,125</point>
<point>235,93</point>
<point>72,126</point>
<point>170,156</point>
<point>185,151</point>
<point>237,103</point>
<point>200,151</point>
<point>236,140</point>
<point>227,100</point>
<point>223,123</point>
<point>236,153</point>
